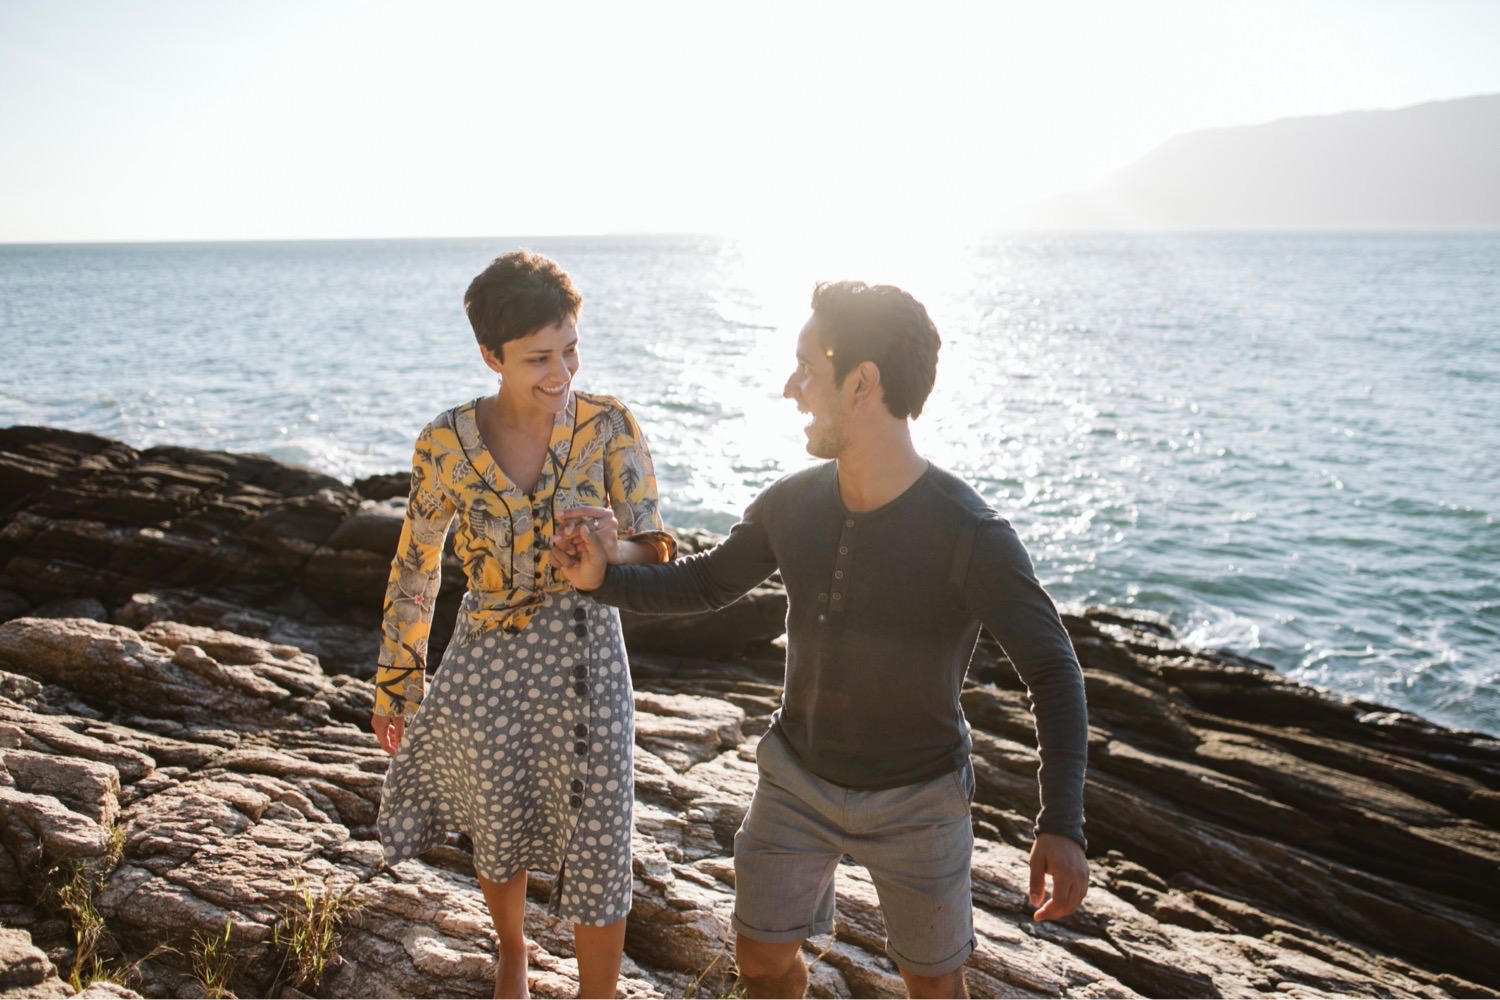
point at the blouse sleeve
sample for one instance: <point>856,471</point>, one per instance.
<point>413,586</point>
<point>630,481</point>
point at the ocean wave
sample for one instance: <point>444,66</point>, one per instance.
<point>1208,627</point>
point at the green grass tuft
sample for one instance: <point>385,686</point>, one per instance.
<point>69,890</point>
<point>214,962</point>
<point>307,933</point>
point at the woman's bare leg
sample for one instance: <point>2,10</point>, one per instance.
<point>598,950</point>
<point>507,903</point>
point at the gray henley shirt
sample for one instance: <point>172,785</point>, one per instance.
<point>884,608</point>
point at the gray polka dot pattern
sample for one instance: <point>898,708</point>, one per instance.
<point>523,743</point>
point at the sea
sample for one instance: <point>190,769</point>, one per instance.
<point>1285,443</point>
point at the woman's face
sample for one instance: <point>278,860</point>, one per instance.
<point>537,369</point>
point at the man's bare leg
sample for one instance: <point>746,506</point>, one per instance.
<point>770,970</point>
<point>598,950</point>
<point>949,984</point>
<point>507,903</point>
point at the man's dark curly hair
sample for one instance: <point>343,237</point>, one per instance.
<point>857,322</point>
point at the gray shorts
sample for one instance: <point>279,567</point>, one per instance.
<point>917,841</point>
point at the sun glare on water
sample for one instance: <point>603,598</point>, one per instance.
<point>762,294</point>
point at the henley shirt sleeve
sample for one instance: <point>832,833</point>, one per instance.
<point>706,581</point>
<point>1002,591</point>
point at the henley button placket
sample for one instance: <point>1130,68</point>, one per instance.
<point>841,566</point>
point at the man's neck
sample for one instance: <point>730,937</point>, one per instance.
<point>878,467</point>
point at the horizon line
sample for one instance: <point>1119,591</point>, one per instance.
<point>998,231</point>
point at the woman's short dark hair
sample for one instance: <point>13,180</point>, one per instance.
<point>517,295</point>
<point>857,322</point>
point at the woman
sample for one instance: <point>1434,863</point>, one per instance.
<point>524,740</point>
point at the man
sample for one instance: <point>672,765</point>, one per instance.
<point>890,566</point>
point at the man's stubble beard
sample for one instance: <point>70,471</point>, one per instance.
<point>828,441</point>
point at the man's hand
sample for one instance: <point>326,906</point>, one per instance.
<point>578,550</point>
<point>1062,858</point>
<point>388,731</point>
<point>597,521</point>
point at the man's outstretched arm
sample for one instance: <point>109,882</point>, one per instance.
<point>706,581</point>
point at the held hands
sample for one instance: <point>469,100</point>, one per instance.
<point>1062,858</point>
<point>588,540</point>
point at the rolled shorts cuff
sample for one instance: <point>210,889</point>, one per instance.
<point>942,968</point>
<point>782,937</point>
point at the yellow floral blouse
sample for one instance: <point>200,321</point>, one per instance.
<point>596,456</point>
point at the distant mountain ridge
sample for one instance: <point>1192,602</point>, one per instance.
<point>1430,165</point>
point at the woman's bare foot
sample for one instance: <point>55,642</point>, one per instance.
<point>510,975</point>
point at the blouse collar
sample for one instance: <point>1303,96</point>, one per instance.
<point>557,449</point>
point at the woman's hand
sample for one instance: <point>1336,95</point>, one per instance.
<point>388,731</point>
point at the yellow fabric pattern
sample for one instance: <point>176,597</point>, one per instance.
<point>596,456</point>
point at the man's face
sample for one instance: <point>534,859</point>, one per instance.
<point>811,387</point>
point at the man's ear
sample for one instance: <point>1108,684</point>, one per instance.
<point>866,377</point>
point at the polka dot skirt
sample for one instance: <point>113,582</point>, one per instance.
<point>523,743</point>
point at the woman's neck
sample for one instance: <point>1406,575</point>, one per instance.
<point>505,415</point>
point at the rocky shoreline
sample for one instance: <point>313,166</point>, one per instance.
<point>185,774</point>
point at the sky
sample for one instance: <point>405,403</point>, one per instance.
<point>211,119</point>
